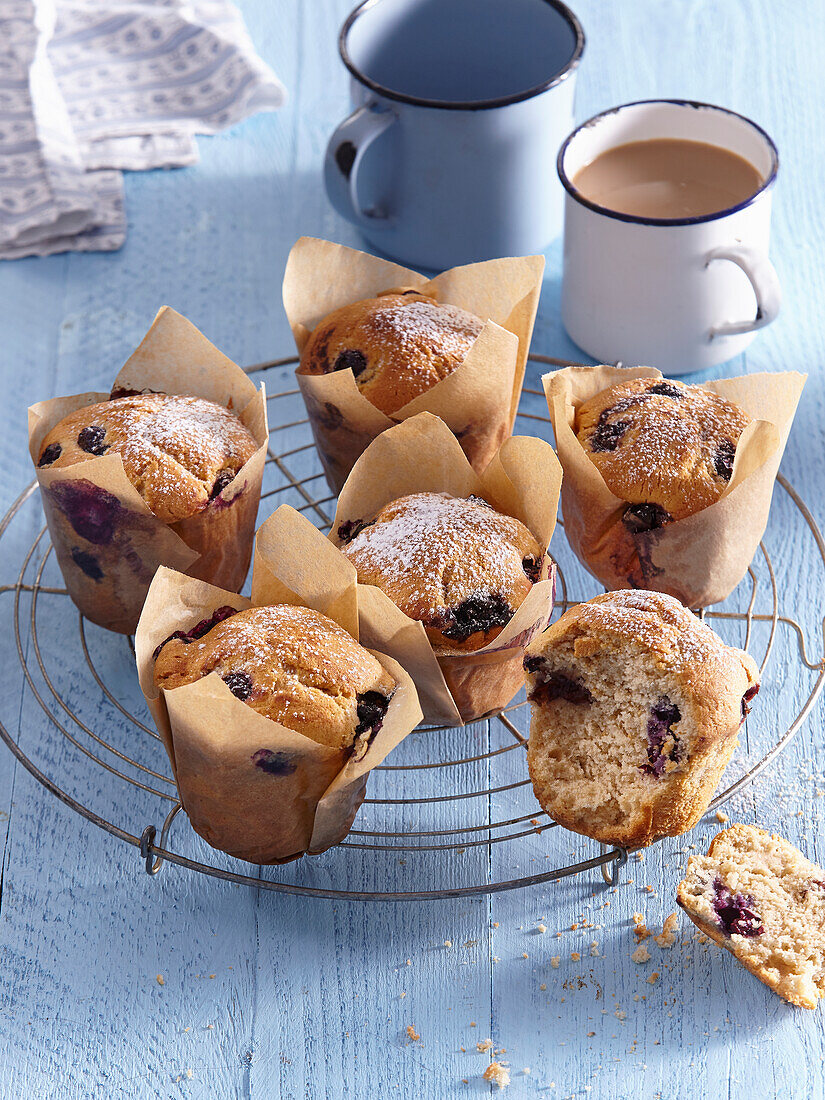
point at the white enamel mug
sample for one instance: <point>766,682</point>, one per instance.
<point>679,294</point>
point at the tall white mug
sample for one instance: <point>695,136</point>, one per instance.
<point>678,294</point>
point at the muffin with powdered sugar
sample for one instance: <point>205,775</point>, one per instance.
<point>667,450</point>
<point>457,566</point>
<point>164,470</point>
<point>397,345</point>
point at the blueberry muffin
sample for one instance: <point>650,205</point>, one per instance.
<point>178,452</point>
<point>398,345</point>
<point>759,897</point>
<point>290,664</point>
<point>667,450</point>
<point>455,565</point>
<point>635,710</point>
<point>181,455</point>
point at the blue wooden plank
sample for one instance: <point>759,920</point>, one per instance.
<point>306,998</point>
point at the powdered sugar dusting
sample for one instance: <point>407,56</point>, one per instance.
<point>663,449</point>
<point>437,550</point>
<point>186,428</point>
<point>420,324</point>
<point>290,654</point>
<point>661,622</point>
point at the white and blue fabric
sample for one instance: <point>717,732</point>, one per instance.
<point>91,87</point>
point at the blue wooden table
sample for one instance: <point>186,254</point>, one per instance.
<point>116,984</point>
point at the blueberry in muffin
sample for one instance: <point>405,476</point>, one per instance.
<point>635,711</point>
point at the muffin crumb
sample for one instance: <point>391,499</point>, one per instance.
<point>498,1073</point>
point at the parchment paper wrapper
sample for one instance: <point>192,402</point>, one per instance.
<point>702,558</point>
<point>108,542</point>
<point>478,401</point>
<point>523,480</point>
<point>309,801</point>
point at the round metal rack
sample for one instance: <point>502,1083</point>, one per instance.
<point>452,809</point>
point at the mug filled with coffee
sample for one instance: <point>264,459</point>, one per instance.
<point>667,219</point>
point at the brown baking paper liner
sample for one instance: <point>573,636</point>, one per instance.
<point>699,559</point>
<point>211,736</point>
<point>478,401</point>
<point>107,541</point>
<point>523,480</point>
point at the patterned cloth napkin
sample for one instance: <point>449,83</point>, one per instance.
<point>90,87</point>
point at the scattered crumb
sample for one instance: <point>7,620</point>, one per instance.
<point>409,962</point>
<point>495,924</point>
<point>160,980</point>
<point>575,956</point>
<point>190,1074</point>
<point>554,962</point>
<point>594,949</point>
<point>721,817</point>
<point>542,987</point>
<point>542,928</point>
<point>472,1023</point>
<point>402,994</point>
<point>448,943</point>
<point>412,1033</point>
<point>649,889</point>
<point>667,936</point>
<point>620,1014</point>
<point>498,1074</point>
<point>484,1045</point>
<point>654,977</point>
<point>590,1034</point>
<point>641,954</point>
<point>524,955</point>
<point>641,931</point>
<point>213,975</point>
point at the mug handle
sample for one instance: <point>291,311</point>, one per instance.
<point>345,151</point>
<point>764,280</point>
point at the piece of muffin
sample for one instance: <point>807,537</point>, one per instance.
<point>455,565</point>
<point>665,448</point>
<point>398,345</point>
<point>635,706</point>
<point>178,452</point>
<point>290,664</point>
<point>759,897</point>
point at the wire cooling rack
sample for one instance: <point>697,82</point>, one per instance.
<point>452,810</point>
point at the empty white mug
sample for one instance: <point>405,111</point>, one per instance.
<point>678,294</point>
